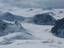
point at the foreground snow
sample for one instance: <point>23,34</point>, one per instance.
<point>43,38</point>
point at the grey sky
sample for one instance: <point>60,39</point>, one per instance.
<point>35,3</point>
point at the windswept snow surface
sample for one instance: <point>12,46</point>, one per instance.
<point>43,38</point>
<point>41,35</point>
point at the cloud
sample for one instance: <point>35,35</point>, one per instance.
<point>25,3</point>
<point>35,3</point>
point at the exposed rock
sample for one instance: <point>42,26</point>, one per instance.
<point>44,19</point>
<point>11,17</point>
<point>58,29</point>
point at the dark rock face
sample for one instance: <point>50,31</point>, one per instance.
<point>3,26</point>
<point>58,29</point>
<point>10,17</point>
<point>44,19</point>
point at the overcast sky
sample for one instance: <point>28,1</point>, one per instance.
<point>35,3</point>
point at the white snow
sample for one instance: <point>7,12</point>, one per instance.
<point>44,39</point>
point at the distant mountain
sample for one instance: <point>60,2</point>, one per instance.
<point>10,17</point>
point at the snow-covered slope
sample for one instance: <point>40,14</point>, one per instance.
<point>40,35</point>
<point>43,38</point>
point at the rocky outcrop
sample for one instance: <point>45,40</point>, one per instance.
<point>58,29</point>
<point>11,17</point>
<point>44,19</point>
